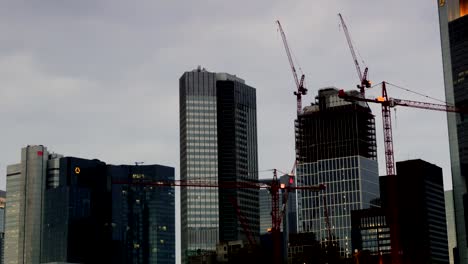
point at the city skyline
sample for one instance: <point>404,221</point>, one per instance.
<point>106,74</point>
<point>56,77</point>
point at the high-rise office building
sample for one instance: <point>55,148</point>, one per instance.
<point>143,217</point>
<point>336,146</point>
<point>25,195</point>
<point>422,234</point>
<point>450,217</point>
<point>89,212</point>
<point>453,20</point>
<point>77,213</point>
<point>371,235</point>
<point>218,143</point>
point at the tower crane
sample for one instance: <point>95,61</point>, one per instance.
<point>301,90</point>
<point>387,103</point>
<point>364,82</point>
<point>278,215</point>
<point>273,188</point>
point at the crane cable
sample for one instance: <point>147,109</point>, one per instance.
<point>420,94</point>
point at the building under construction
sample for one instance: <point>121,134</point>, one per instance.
<point>336,146</point>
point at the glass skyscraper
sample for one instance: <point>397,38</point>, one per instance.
<point>25,195</point>
<point>453,20</point>
<point>86,211</point>
<point>336,146</point>
<point>422,230</point>
<point>218,143</point>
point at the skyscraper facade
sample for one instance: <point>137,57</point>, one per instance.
<point>25,195</point>
<point>90,212</point>
<point>453,20</point>
<point>371,235</point>
<point>422,234</point>
<point>218,143</point>
<point>336,146</point>
<point>143,217</point>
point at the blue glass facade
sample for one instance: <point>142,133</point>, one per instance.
<point>90,212</point>
<point>90,220</point>
<point>336,146</point>
<point>143,217</point>
<point>352,183</point>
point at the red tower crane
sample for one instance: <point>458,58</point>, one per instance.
<point>301,90</point>
<point>274,188</point>
<point>388,103</point>
<point>364,83</point>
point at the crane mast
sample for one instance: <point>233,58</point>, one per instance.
<point>364,83</point>
<point>301,90</point>
<point>387,103</point>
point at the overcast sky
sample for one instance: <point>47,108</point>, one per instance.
<point>99,79</point>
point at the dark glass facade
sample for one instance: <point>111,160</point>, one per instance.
<point>91,213</point>
<point>77,219</point>
<point>88,219</point>
<point>371,235</point>
<point>421,211</point>
<point>143,217</point>
<point>237,157</point>
<point>453,21</point>
<point>218,143</point>
<point>336,146</point>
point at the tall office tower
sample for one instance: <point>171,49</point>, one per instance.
<point>91,212</point>
<point>25,196</point>
<point>450,217</point>
<point>453,20</point>
<point>77,213</point>
<point>421,211</point>
<point>143,216</point>
<point>218,143</point>
<point>336,146</point>
<point>2,226</point>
